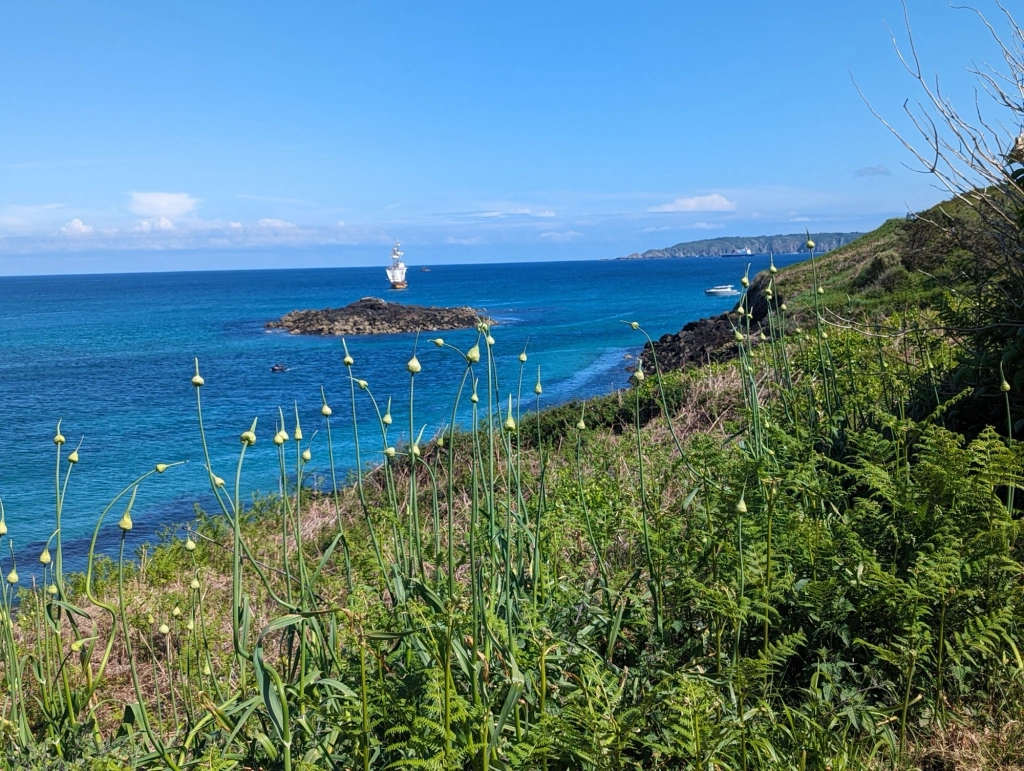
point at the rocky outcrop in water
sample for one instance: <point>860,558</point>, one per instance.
<point>373,316</point>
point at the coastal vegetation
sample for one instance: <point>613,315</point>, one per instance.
<point>796,558</point>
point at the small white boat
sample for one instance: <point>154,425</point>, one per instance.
<point>722,290</point>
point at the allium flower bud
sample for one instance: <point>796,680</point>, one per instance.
<point>12,577</point>
<point>1004,386</point>
<point>73,457</point>
<point>348,360</point>
<point>473,354</point>
<point>771,267</point>
<point>280,438</point>
<point>440,441</point>
<point>783,307</point>
<point>197,381</point>
<point>581,424</point>
<point>810,244</point>
<point>190,625</point>
<point>3,527</point>
<point>190,545</point>
<point>176,612</point>
<point>164,629</point>
<point>44,558</point>
<point>768,294</point>
<point>638,375</point>
<point>59,439</point>
<point>537,389</point>
<point>745,282</point>
<point>126,522</point>
<point>218,482</point>
<point>161,468</point>
<point>414,365</point>
<point>438,341</point>
<point>325,411</point>
<point>390,452</point>
<point>415,450</point>
<point>741,507</point>
<point>194,583</point>
<point>386,420</point>
<point>634,324</point>
<point>76,646</point>
<point>307,456</point>
<point>206,670</point>
<point>297,436</point>
<point>821,290</point>
<point>362,384</point>
<point>474,398</point>
<point>51,589</point>
<point>522,357</point>
<point>737,336</point>
<point>149,618</point>
<point>489,340</point>
<point>510,423</point>
<point>824,335</point>
<point>248,438</point>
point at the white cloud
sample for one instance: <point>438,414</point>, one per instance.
<point>76,228</point>
<point>155,205</point>
<point>655,230</point>
<point>712,202</point>
<point>568,235</point>
<point>162,223</point>
<point>270,223</point>
<point>873,171</point>
<point>472,241</point>
<point>341,223</point>
<point>235,225</point>
<point>707,225</point>
<point>547,213</point>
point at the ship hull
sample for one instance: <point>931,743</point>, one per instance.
<point>399,285</point>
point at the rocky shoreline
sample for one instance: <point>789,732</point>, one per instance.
<point>373,316</point>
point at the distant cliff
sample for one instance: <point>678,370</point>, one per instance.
<point>738,246</point>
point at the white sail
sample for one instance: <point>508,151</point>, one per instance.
<point>396,273</point>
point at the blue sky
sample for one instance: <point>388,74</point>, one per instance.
<point>144,136</point>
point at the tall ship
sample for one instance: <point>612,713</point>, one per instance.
<point>396,273</point>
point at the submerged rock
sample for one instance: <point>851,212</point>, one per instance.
<point>373,316</point>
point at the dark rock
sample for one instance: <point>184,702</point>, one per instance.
<point>373,316</point>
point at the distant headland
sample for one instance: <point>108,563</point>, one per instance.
<point>742,246</point>
<point>373,316</point>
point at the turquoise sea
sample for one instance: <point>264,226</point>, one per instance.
<point>111,356</point>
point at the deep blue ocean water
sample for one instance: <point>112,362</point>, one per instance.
<point>111,355</point>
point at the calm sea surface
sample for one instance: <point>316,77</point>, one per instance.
<point>111,355</point>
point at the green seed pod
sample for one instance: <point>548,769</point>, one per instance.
<point>73,457</point>
<point>59,439</point>
<point>413,365</point>
<point>307,456</point>
<point>438,341</point>
<point>12,577</point>
<point>741,507</point>
<point>126,522</point>
<point>522,357</point>
<point>248,438</point>
<point>389,451</point>
<point>194,584</point>
<point>190,545</point>
<point>44,558</point>
<point>325,411</point>
<point>473,354</point>
<point>164,629</point>
<point>161,468</point>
